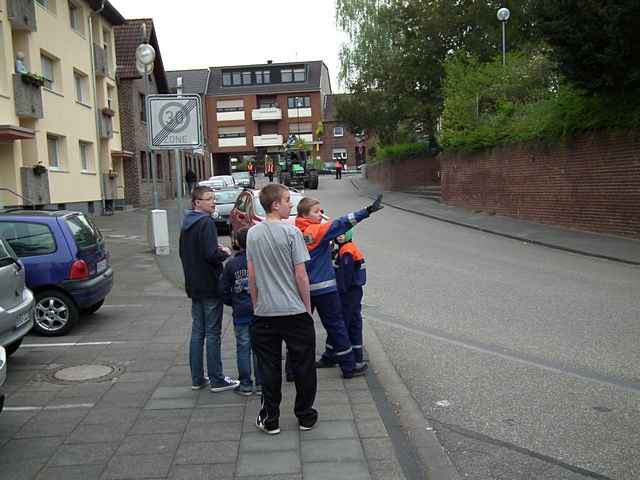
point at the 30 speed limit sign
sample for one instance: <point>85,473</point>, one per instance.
<point>174,121</point>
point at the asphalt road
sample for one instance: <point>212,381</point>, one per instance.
<point>524,358</point>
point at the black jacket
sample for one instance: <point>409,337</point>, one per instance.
<point>235,289</point>
<point>201,259</point>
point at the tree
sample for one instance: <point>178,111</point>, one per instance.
<point>396,51</point>
<point>596,43</point>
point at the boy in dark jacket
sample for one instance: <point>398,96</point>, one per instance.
<point>351,276</point>
<point>323,285</point>
<point>202,258</point>
<point>235,293</point>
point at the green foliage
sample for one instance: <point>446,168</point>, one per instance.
<point>402,151</point>
<point>488,104</point>
<point>595,43</point>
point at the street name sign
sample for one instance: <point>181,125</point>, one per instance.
<point>174,121</point>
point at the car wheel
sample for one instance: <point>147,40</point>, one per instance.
<point>93,308</point>
<point>13,347</point>
<point>55,313</point>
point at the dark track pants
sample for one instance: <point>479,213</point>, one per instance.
<point>338,347</point>
<point>352,313</point>
<point>298,333</point>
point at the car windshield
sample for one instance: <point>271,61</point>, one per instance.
<point>83,231</point>
<point>227,196</point>
<point>241,175</point>
<point>295,199</point>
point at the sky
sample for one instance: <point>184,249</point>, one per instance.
<point>204,33</point>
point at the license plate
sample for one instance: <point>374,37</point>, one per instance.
<point>24,318</point>
<point>102,266</point>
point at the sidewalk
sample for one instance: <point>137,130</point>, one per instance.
<point>144,421</point>
<point>591,244</point>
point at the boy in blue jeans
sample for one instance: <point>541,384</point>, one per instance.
<point>235,292</point>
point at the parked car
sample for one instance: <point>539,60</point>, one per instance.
<point>243,179</point>
<point>225,200</point>
<point>248,211</point>
<point>3,375</point>
<point>16,300</point>
<point>66,261</point>
<point>218,182</point>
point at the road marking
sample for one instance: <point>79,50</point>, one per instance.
<point>133,305</point>
<point>70,344</point>
<point>49,407</point>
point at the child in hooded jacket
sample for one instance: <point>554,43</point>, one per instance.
<point>235,293</point>
<point>351,276</point>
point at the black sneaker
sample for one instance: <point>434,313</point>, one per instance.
<point>269,430</point>
<point>359,371</point>
<point>324,363</point>
<point>307,424</point>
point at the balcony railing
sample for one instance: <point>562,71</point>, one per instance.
<point>228,116</point>
<point>28,97</point>
<point>100,61</point>
<point>106,126</point>
<point>298,112</point>
<point>269,140</point>
<point>22,15</point>
<point>270,113</point>
<point>232,142</point>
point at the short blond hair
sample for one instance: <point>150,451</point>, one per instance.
<point>271,193</point>
<point>305,206</point>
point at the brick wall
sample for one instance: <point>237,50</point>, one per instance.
<point>590,183</point>
<point>399,175</point>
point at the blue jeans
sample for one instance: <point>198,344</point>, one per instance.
<point>243,355</point>
<point>207,323</point>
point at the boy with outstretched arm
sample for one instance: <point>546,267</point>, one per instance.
<point>235,293</point>
<point>351,276</point>
<point>324,290</point>
<point>279,288</point>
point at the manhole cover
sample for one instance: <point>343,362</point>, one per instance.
<point>85,373</point>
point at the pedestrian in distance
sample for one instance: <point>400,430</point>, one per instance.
<point>191,178</point>
<point>338,169</point>
<point>279,287</point>
<point>235,293</point>
<point>202,258</point>
<point>351,277</point>
<point>322,278</point>
<point>269,170</point>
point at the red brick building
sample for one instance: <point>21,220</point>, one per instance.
<point>131,100</point>
<point>251,110</point>
<point>339,143</point>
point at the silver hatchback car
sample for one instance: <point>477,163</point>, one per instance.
<point>16,300</point>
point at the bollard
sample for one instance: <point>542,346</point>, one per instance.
<point>160,232</point>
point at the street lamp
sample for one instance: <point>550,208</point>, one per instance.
<point>503,17</point>
<point>145,56</point>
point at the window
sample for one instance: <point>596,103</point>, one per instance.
<point>28,239</point>
<point>53,151</point>
<point>144,172</point>
<point>230,106</point>
<point>286,75</point>
<point>106,43</point>
<point>48,71</point>
<point>246,78</point>
<point>44,3</point>
<point>267,102</point>
<point>75,18</point>
<point>84,233</point>
<point>339,154</point>
<point>80,81</point>
<point>143,110</point>
<point>298,75</point>
<point>266,76</point>
<point>258,77</point>
<point>226,79</point>
<point>85,156</point>
<point>338,131</point>
<point>242,202</point>
<point>236,78</point>
<point>110,99</point>
<point>231,132</point>
<point>299,102</point>
<point>159,166</point>
<point>300,128</point>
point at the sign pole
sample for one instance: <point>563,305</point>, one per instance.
<point>180,203</point>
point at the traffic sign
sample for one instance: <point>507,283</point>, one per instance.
<point>174,121</point>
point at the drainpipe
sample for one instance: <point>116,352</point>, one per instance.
<point>96,109</point>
